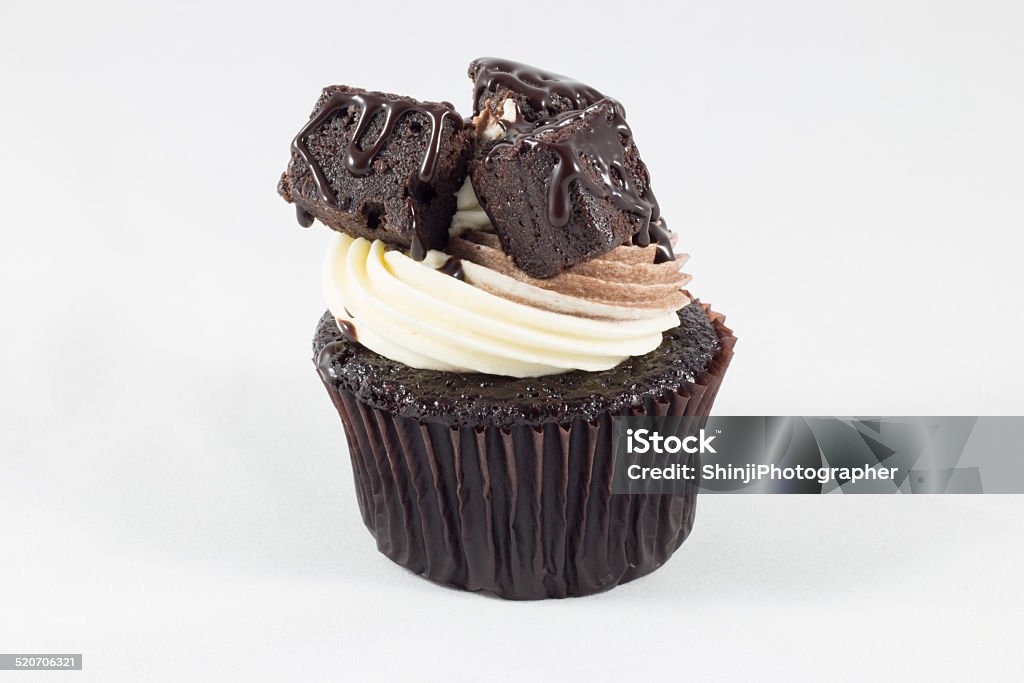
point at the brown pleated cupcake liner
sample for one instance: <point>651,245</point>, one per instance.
<point>524,512</point>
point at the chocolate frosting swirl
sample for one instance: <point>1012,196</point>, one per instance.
<point>624,277</point>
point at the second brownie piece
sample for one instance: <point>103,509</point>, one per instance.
<point>567,191</point>
<point>379,166</point>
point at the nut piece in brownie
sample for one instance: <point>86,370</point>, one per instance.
<point>379,166</point>
<point>566,191</point>
<point>537,94</point>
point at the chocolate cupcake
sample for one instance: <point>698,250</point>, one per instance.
<point>478,377</point>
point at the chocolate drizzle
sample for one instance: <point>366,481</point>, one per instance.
<point>453,267</point>
<point>304,217</point>
<point>416,249</point>
<point>323,359</point>
<point>359,158</point>
<point>348,330</point>
<point>417,252</point>
<point>540,88</point>
<point>664,252</point>
<point>658,231</point>
<point>599,145</point>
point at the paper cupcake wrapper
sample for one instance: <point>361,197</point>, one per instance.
<point>525,512</point>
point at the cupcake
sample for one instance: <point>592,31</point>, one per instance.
<point>500,288</point>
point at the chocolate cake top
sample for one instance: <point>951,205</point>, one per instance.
<point>460,399</point>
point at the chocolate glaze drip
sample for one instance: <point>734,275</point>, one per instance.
<point>304,217</point>
<point>323,359</point>
<point>453,267</point>
<point>602,146</point>
<point>335,348</point>
<point>417,252</point>
<point>348,330</point>
<point>358,159</point>
<point>416,249</point>
<point>664,252</point>
<point>658,230</point>
<point>538,87</point>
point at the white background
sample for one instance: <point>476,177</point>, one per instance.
<point>175,498</point>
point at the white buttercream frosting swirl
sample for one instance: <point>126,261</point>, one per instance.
<point>469,215</point>
<point>412,313</point>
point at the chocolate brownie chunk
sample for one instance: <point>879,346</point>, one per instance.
<point>537,94</point>
<point>379,166</point>
<point>569,190</point>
